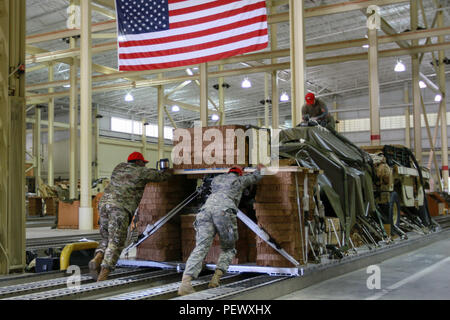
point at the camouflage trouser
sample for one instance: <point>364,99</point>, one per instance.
<point>208,223</point>
<point>114,223</point>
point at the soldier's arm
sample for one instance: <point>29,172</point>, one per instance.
<point>323,109</point>
<point>153,175</point>
<point>251,178</point>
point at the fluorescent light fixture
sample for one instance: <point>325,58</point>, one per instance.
<point>422,85</point>
<point>399,67</point>
<point>189,72</point>
<point>365,46</point>
<point>66,86</point>
<point>438,98</point>
<point>175,108</point>
<point>284,97</point>
<point>129,97</point>
<point>246,84</point>
<point>215,117</point>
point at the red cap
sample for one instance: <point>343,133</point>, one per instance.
<point>236,169</point>
<point>310,98</point>
<point>136,156</point>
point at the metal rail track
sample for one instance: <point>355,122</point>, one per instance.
<point>170,290</point>
<point>443,221</point>
<point>144,284</point>
<point>235,288</point>
<point>40,222</point>
<point>91,289</point>
<point>60,282</point>
<point>44,243</point>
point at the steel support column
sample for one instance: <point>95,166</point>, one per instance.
<point>274,77</point>
<point>221,98</point>
<point>51,129</point>
<point>37,147</point>
<point>407,116</point>
<point>160,122</point>
<point>374,88</point>
<point>298,61</point>
<point>144,138</point>
<point>443,106</point>
<point>85,211</point>
<point>97,144</point>
<point>204,94</point>
<point>266,100</point>
<point>12,136</point>
<point>415,87</point>
<point>73,130</point>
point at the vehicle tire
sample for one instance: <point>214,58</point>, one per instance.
<point>394,209</point>
<point>391,211</point>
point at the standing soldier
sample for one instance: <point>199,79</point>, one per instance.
<point>218,215</point>
<point>116,209</point>
<point>316,109</point>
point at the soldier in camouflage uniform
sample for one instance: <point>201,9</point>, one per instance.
<point>218,215</point>
<point>116,209</point>
<point>317,109</point>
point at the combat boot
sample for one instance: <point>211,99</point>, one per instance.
<point>103,274</point>
<point>214,283</point>
<point>95,265</point>
<point>186,286</point>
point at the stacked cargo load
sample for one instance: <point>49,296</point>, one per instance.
<point>277,211</point>
<point>51,206</point>
<point>35,206</point>
<point>158,199</point>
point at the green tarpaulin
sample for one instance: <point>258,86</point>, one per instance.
<point>346,181</point>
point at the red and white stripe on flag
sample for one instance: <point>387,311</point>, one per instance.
<point>199,31</point>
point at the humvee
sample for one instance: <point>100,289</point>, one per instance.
<point>399,183</point>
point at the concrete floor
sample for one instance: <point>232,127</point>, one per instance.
<point>48,232</point>
<point>418,275</point>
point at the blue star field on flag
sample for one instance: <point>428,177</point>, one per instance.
<point>142,16</point>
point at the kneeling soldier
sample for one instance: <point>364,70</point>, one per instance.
<point>116,209</point>
<point>218,215</point>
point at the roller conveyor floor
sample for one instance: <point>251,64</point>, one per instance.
<point>151,283</point>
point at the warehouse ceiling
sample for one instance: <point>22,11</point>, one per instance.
<point>242,105</point>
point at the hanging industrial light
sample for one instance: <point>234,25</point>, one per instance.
<point>438,98</point>
<point>422,85</point>
<point>215,117</point>
<point>284,97</point>
<point>246,84</point>
<point>399,67</point>
<point>175,108</point>
<point>129,97</point>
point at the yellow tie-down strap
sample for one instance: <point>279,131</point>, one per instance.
<point>64,260</point>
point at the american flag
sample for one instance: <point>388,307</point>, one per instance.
<point>156,34</point>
